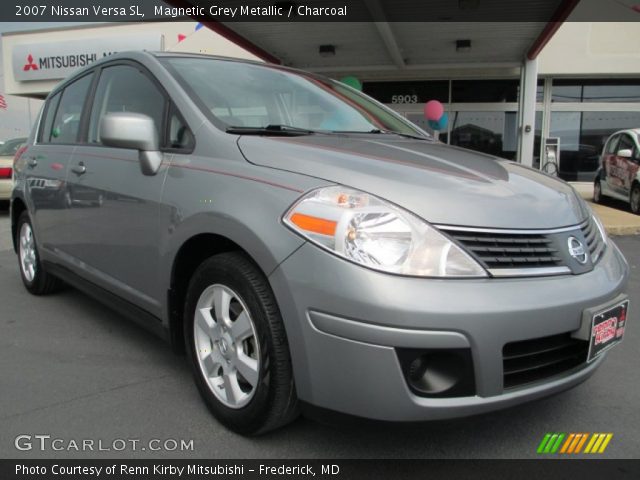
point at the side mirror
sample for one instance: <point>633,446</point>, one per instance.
<point>626,153</point>
<point>133,131</point>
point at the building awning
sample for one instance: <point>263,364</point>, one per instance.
<point>460,34</point>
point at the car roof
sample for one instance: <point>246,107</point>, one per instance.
<point>142,55</point>
<point>633,131</point>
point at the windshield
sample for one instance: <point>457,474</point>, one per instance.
<point>10,147</point>
<point>255,96</point>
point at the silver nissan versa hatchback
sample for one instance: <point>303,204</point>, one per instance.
<point>307,246</point>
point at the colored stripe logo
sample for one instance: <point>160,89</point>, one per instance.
<point>573,443</point>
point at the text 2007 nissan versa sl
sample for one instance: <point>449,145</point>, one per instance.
<point>304,243</point>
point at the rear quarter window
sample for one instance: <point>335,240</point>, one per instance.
<point>47,122</point>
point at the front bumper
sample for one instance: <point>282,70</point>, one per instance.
<point>345,323</point>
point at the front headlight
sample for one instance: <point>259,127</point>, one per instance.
<point>371,232</point>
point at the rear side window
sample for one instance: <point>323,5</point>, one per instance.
<point>66,123</point>
<point>47,121</point>
<point>124,88</point>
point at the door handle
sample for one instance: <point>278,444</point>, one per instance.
<point>32,162</point>
<point>79,169</point>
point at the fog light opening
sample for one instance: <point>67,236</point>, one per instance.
<point>435,373</point>
<point>438,373</point>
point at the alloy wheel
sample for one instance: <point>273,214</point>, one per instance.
<point>28,260</point>
<point>227,347</point>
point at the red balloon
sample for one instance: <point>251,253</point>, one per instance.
<point>433,110</point>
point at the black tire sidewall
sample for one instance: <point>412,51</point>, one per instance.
<point>597,187</point>
<point>633,190</point>
<point>221,270</point>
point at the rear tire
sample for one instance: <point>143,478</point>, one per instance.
<point>634,199</point>
<point>237,346</point>
<point>597,191</point>
<point>34,277</point>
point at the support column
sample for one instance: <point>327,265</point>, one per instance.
<point>527,111</point>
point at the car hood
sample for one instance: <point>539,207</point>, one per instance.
<point>442,184</point>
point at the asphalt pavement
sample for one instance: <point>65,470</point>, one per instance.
<point>72,369</point>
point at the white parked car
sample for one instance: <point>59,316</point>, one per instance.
<point>619,173</point>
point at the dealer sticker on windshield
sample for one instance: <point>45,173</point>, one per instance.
<point>607,329</point>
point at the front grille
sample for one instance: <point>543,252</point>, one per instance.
<point>506,250</point>
<point>531,361</point>
<point>595,242</point>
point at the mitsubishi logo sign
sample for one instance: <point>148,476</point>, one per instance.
<point>29,65</point>
<point>56,60</point>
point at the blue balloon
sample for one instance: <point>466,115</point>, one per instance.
<point>443,122</point>
<point>440,124</point>
<point>198,26</point>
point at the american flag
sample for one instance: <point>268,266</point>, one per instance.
<point>3,103</point>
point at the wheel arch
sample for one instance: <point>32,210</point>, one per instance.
<point>195,249</point>
<point>189,256</point>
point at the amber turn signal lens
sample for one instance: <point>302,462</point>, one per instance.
<point>314,224</point>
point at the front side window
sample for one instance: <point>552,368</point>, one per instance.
<point>124,88</point>
<point>627,143</point>
<point>179,136</point>
<point>613,143</point>
<point>66,123</point>
<point>255,96</point>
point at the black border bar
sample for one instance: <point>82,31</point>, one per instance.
<point>315,11</point>
<point>163,469</point>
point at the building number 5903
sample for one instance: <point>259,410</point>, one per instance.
<point>404,98</point>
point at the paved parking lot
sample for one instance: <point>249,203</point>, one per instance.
<point>72,369</point>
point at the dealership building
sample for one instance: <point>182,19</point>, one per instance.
<point>544,92</point>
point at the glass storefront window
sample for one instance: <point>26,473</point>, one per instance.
<point>582,136</point>
<point>420,120</point>
<point>589,91</point>
<point>495,133</point>
<point>402,93</point>
<point>484,91</point>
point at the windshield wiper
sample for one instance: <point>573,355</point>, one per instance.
<point>273,129</point>
<point>406,135</point>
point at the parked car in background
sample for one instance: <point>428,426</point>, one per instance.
<point>8,150</point>
<point>619,173</point>
<point>304,243</point>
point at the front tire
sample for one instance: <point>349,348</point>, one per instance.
<point>634,199</point>
<point>237,346</point>
<point>34,277</point>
